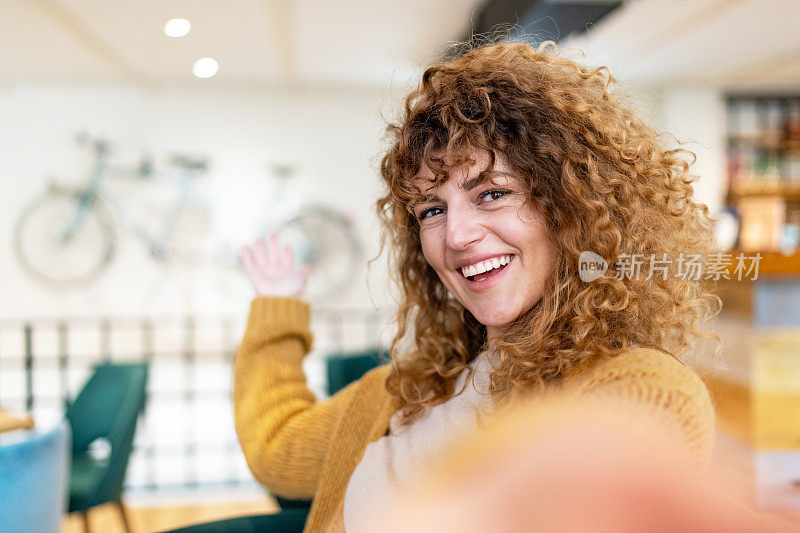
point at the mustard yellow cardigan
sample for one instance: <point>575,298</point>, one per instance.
<point>299,447</point>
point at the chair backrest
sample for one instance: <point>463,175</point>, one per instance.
<point>33,479</point>
<point>345,368</point>
<point>108,407</point>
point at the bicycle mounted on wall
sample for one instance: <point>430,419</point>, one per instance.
<point>67,235</point>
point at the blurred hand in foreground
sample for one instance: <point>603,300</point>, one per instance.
<point>271,268</point>
<point>571,466</point>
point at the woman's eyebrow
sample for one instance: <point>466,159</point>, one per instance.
<point>467,186</point>
<point>478,180</point>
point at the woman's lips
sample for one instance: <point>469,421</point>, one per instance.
<point>487,280</point>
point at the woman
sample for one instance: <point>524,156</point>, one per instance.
<point>507,165</point>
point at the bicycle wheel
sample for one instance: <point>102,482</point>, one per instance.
<point>57,244</point>
<point>326,240</point>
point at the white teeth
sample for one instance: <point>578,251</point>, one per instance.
<point>484,266</point>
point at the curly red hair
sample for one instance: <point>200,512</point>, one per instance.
<point>605,183</point>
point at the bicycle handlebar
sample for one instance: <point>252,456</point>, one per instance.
<point>101,147</point>
<point>189,163</point>
<point>98,145</point>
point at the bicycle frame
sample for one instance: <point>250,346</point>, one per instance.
<point>157,245</point>
<point>86,200</point>
<point>321,236</point>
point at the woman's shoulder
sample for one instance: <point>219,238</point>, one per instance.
<point>642,367</point>
<point>661,385</point>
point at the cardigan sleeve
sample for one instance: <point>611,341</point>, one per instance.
<point>654,383</point>
<point>283,430</point>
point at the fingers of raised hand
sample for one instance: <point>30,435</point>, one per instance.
<point>305,274</point>
<point>280,254</point>
<point>272,269</point>
<point>261,253</point>
<point>288,256</point>
<point>248,260</point>
<point>268,256</point>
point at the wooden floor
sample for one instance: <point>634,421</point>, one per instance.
<point>106,519</point>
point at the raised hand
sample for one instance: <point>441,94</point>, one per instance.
<point>271,268</point>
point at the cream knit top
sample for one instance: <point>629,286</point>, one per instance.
<point>394,462</point>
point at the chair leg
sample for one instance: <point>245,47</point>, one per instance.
<point>124,514</point>
<point>86,528</point>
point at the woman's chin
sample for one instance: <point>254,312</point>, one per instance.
<point>494,321</point>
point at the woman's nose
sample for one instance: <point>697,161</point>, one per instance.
<point>463,228</point>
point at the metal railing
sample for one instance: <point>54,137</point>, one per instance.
<point>185,437</point>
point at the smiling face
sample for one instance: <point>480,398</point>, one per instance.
<point>488,245</point>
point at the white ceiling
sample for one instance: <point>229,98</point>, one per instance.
<point>289,43</point>
<point>256,42</point>
<point>727,42</point>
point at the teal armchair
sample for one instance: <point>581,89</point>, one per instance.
<point>345,368</point>
<point>106,410</point>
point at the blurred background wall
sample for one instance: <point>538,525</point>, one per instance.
<point>330,137</point>
<point>308,85</point>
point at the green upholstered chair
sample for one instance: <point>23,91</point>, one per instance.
<point>104,412</point>
<point>285,521</point>
<point>343,369</point>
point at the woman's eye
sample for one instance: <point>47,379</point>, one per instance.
<point>429,212</point>
<point>495,194</point>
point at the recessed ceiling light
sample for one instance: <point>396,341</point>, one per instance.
<point>205,67</point>
<point>177,27</point>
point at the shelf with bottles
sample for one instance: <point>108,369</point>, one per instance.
<point>763,172</point>
<point>776,141</point>
<point>763,143</point>
<point>761,187</point>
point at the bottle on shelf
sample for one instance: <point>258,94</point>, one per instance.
<point>790,237</point>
